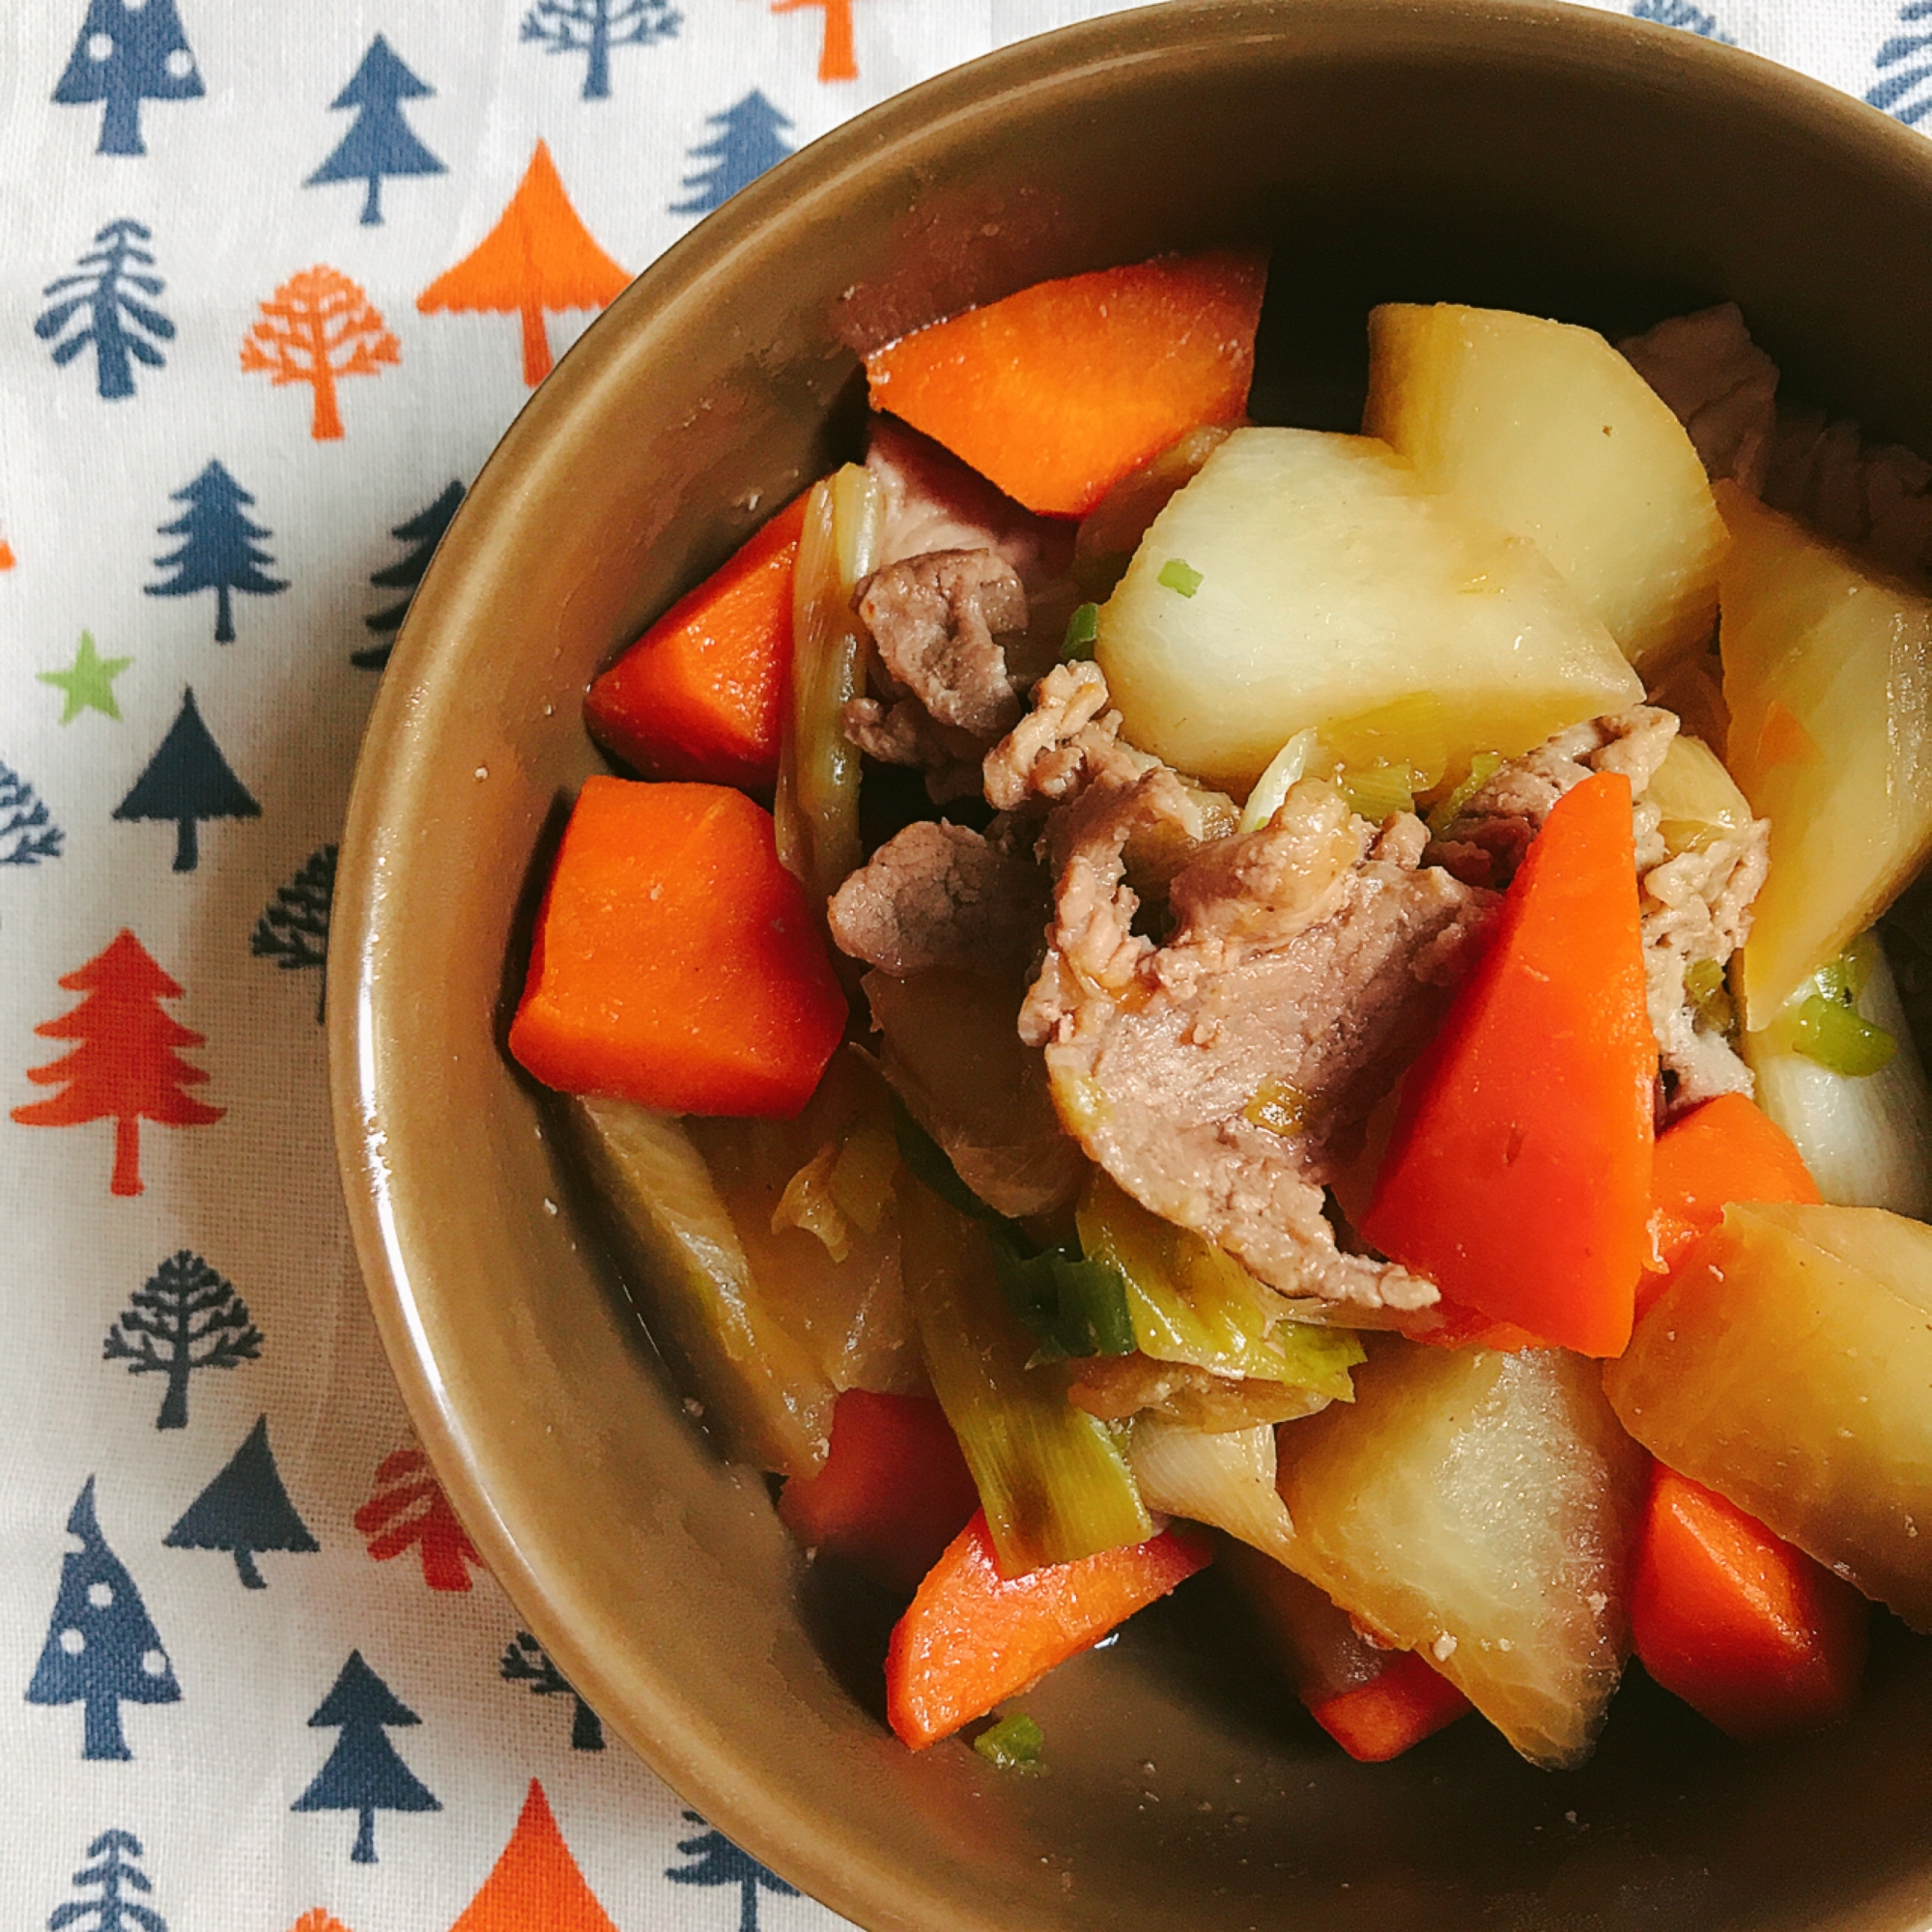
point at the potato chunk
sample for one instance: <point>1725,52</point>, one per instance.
<point>1787,1367</point>
<point>1305,580</point>
<point>1479,1508</point>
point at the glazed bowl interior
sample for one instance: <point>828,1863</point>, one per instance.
<point>1514,155</point>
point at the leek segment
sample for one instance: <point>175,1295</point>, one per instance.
<point>1225,1478</point>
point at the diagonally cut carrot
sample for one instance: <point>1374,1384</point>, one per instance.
<point>1404,1703</point>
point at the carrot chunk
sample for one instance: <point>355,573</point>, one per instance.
<point>1749,1630</point>
<point>972,1636</point>
<point>699,696</point>
<point>1518,1175</point>
<point>677,963</point>
<point>1059,391</point>
<point>1406,1702</point>
<point>893,1492</point>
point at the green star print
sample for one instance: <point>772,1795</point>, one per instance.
<point>88,682</point>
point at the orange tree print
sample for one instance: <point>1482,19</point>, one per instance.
<point>835,59</point>
<point>316,329</point>
<point>537,259</point>
<point>126,1067</point>
<point>409,1509</point>
<point>535,1881</point>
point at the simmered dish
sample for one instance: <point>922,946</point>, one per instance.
<point>1174,990</point>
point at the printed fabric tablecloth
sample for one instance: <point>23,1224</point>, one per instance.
<point>273,281</point>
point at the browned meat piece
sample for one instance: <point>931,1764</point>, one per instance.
<point>940,895</point>
<point>900,734</point>
<point>1069,739</point>
<point>935,620</point>
<point>1312,959</point>
<point>1719,384</point>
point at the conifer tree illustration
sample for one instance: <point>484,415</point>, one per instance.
<point>526,1662</point>
<point>219,548</point>
<point>101,1649</point>
<point>593,27</point>
<point>188,779</point>
<point>114,322</point>
<point>717,1861</point>
<point>747,143</point>
<point>363,1772</point>
<point>380,142</point>
<point>534,1881</point>
<point>245,1510</point>
<point>1902,94</point>
<point>183,1318</point>
<point>836,58</point>
<point>293,931</point>
<point>316,1920</point>
<point>1680,13</point>
<point>27,835</point>
<point>422,533</point>
<point>116,1870</point>
<point>127,51</point>
<point>126,1067</point>
<point>318,327</point>
<point>408,1510</point>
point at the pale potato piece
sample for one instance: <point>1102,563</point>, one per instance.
<point>1543,428</point>
<point>1828,674</point>
<point>1332,585</point>
<point>1479,1508</point>
<point>1788,1367</point>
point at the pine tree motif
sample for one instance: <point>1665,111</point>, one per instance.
<point>1680,13</point>
<point>101,1649</point>
<point>535,1881</point>
<point>126,1067</point>
<point>594,27</point>
<point>219,550</point>
<point>363,1774</point>
<point>27,835</point>
<point>116,1868</point>
<point>245,1510</point>
<point>127,51</point>
<point>526,1662</point>
<point>717,1861</point>
<point>1899,95</point>
<point>747,143</point>
<point>188,779</point>
<point>293,931</point>
<point>835,59</point>
<point>380,142</point>
<point>113,320</point>
<point>316,1920</point>
<point>422,533</point>
<point>539,258</point>
<point>318,327</point>
<point>183,1318</point>
<point>402,1482</point>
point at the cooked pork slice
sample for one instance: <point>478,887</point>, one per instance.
<point>940,895</point>
<point>1719,383</point>
<point>900,732</point>
<point>936,621</point>
<point>1069,739</point>
<point>1311,961</point>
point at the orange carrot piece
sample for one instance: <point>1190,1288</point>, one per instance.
<point>893,1492</point>
<point>1727,1150</point>
<point>1746,1628</point>
<point>677,963</point>
<point>700,695</point>
<point>1407,1702</point>
<point>1059,391</point>
<point>972,1636</point>
<point>1518,1175</point>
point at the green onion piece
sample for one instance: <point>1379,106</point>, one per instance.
<point>1175,574</point>
<point>1380,792</point>
<point>1278,1107</point>
<point>1013,1743</point>
<point>1705,987</point>
<point>1845,978</point>
<point>1083,632</point>
<point>1836,1037</point>
<point>1482,767</point>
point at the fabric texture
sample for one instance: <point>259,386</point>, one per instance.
<point>273,281</point>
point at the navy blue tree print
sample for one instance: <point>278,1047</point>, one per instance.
<point>245,1510</point>
<point>1680,13</point>
<point>101,1649</point>
<point>526,1662</point>
<point>182,1319</point>
<point>219,548</point>
<point>114,1870</point>
<point>379,141</point>
<point>1899,94</point>
<point>717,1861</point>
<point>747,143</point>
<point>293,931</point>
<point>422,533</point>
<point>129,51</point>
<point>363,1774</point>
<point>27,835</point>
<point>113,321</point>
<point>594,27</point>
<point>188,779</point>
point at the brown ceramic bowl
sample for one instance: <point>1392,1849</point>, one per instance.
<point>1571,163</point>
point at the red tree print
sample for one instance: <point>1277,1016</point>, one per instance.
<point>126,1067</point>
<point>402,1482</point>
<point>836,60</point>
<point>316,329</point>
<point>535,1881</point>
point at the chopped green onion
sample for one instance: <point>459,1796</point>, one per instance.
<point>1083,632</point>
<point>1013,1743</point>
<point>1482,767</point>
<point>1846,977</point>
<point>1836,1037</point>
<point>1176,574</point>
<point>1380,792</point>
<point>1710,997</point>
